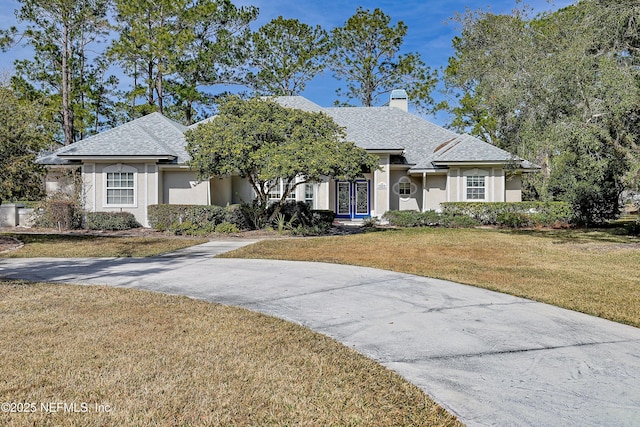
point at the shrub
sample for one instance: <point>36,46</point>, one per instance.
<point>322,217</point>
<point>294,213</point>
<point>58,211</point>
<point>457,221</point>
<point>514,220</point>
<point>634,227</point>
<point>370,222</point>
<point>253,215</point>
<point>189,228</point>
<point>428,219</point>
<point>161,217</point>
<point>236,216</point>
<point>319,229</point>
<point>111,221</point>
<point>196,219</point>
<point>540,213</point>
<point>412,218</point>
<point>402,218</point>
<point>226,227</point>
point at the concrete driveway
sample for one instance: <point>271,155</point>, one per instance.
<point>489,358</point>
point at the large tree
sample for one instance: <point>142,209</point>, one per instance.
<point>149,43</point>
<point>23,134</point>
<point>286,54</point>
<point>560,89</point>
<point>264,142</point>
<point>366,54</point>
<point>60,32</point>
<point>171,48</point>
<point>215,54</point>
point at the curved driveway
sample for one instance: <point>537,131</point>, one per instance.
<point>489,358</point>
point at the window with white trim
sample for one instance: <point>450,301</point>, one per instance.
<point>476,187</point>
<point>309,194</point>
<point>276,192</point>
<point>404,189</point>
<point>120,185</point>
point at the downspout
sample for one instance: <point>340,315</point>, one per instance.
<point>424,191</point>
<point>209,191</point>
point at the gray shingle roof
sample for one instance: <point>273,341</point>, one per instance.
<point>426,146</point>
<point>153,135</point>
<point>297,102</point>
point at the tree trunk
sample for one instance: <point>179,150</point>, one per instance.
<point>159,92</point>
<point>67,113</point>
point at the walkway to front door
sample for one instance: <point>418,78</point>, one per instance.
<point>352,199</point>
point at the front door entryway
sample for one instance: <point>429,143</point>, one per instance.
<point>352,199</point>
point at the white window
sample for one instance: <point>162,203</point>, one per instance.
<point>276,192</point>
<point>309,194</point>
<point>120,186</point>
<point>475,187</point>
<point>404,189</point>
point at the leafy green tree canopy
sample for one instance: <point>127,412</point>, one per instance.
<point>263,142</point>
<point>560,89</point>
<point>22,137</point>
<point>366,54</point>
<point>60,32</point>
<point>172,48</point>
<point>286,55</point>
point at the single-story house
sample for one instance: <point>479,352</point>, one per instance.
<point>143,162</point>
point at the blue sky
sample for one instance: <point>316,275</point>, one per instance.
<point>430,29</point>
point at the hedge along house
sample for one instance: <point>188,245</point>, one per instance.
<point>143,162</point>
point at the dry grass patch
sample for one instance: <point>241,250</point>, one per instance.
<point>164,360</point>
<point>74,246</point>
<point>594,272</point>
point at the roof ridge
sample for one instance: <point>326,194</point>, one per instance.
<point>157,141</point>
<point>453,143</point>
<point>444,144</point>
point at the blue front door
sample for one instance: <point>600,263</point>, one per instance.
<point>352,199</point>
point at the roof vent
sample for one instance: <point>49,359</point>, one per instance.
<point>399,99</point>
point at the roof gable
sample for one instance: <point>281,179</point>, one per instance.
<point>153,135</point>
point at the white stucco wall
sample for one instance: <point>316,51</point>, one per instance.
<point>411,202</point>
<point>182,187</point>
<point>221,191</point>
<point>436,192</point>
<point>494,183</point>
<point>513,188</point>
<point>242,190</point>
<point>381,187</point>
<point>94,188</point>
<point>323,196</point>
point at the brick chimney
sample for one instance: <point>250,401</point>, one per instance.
<point>399,99</point>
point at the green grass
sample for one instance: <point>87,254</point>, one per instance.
<point>79,246</point>
<point>592,271</point>
<point>161,360</point>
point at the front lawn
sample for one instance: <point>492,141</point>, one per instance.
<point>81,246</point>
<point>100,356</point>
<point>592,271</point>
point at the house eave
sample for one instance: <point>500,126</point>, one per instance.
<point>397,166</point>
<point>472,163</point>
<point>117,158</point>
<point>429,171</point>
<point>394,151</point>
<point>528,170</point>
